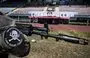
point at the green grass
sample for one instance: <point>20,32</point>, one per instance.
<point>74,33</point>
<point>79,23</point>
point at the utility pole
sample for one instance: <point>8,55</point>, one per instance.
<point>87,22</point>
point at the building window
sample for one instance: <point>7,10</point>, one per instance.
<point>61,14</point>
<point>65,15</point>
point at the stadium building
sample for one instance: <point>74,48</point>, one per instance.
<point>50,11</point>
<point>54,14</point>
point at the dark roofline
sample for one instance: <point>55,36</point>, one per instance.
<point>19,15</point>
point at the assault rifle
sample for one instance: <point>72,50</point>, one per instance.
<point>43,32</point>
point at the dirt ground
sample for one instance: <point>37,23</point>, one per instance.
<point>66,27</point>
<point>49,48</point>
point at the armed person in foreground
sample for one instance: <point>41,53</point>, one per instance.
<point>13,43</point>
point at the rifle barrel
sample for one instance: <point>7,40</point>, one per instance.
<point>64,37</point>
